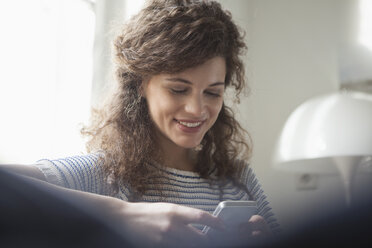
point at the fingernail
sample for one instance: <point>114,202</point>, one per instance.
<point>222,225</point>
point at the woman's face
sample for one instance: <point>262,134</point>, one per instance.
<point>184,106</point>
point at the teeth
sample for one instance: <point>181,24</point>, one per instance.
<point>188,124</point>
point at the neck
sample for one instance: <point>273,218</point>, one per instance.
<point>178,157</point>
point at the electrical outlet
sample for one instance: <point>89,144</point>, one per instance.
<point>306,181</point>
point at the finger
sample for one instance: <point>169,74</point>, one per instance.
<point>195,234</point>
<point>187,236</point>
<point>196,216</point>
<point>258,223</point>
<point>256,233</point>
<point>256,219</point>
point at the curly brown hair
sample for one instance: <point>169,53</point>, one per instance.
<point>169,36</point>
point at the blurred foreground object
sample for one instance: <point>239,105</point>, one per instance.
<point>33,217</point>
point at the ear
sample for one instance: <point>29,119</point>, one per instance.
<point>142,88</point>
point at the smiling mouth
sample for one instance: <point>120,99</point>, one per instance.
<point>190,124</point>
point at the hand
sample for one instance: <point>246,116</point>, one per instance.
<point>165,224</point>
<point>256,227</point>
<point>251,232</point>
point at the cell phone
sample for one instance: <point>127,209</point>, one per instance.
<point>232,213</point>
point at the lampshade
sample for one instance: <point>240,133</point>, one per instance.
<point>325,129</point>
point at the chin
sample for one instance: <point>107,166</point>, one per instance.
<point>188,145</point>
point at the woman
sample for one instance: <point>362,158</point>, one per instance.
<point>166,145</point>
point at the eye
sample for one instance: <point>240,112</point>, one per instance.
<point>213,94</point>
<point>178,91</point>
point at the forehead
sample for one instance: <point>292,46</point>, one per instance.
<point>217,65</point>
<point>212,70</point>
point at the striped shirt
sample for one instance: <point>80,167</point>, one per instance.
<point>186,188</point>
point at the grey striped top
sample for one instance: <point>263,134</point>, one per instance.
<point>186,188</point>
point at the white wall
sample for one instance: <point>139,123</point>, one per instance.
<point>110,15</point>
<point>292,56</point>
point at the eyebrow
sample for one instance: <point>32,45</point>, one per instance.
<point>182,80</point>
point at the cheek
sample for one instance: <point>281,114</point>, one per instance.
<point>161,109</point>
<point>216,108</point>
<point>214,111</point>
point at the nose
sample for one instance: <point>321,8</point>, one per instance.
<point>195,106</point>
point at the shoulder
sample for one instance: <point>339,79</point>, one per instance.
<point>243,169</point>
<point>247,176</point>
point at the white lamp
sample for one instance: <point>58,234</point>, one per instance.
<point>325,131</point>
